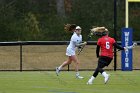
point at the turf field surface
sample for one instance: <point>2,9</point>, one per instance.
<point>48,82</point>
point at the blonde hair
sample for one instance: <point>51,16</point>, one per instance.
<point>99,31</point>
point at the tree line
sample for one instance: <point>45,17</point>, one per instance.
<point>35,20</point>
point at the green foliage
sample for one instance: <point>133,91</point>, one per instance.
<point>38,20</point>
<point>31,28</point>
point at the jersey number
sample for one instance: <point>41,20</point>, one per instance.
<point>107,45</point>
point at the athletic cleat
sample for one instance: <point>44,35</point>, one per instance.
<point>79,77</point>
<point>107,78</point>
<point>57,71</point>
<point>89,82</point>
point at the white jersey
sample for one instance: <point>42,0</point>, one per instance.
<point>75,39</point>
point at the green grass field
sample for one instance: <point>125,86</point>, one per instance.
<point>48,82</point>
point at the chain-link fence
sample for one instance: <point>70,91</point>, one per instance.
<point>46,57</point>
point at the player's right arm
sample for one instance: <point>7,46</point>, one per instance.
<point>98,47</point>
<point>97,50</point>
<point>81,44</point>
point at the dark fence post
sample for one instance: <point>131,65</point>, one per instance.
<point>20,56</point>
<point>115,33</point>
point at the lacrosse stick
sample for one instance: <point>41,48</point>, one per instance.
<point>89,37</point>
<point>128,47</point>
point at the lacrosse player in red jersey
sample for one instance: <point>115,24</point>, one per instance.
<point>76,41</point>
<point>105,44</point>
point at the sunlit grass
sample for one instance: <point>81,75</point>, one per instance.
<point>48,82</point>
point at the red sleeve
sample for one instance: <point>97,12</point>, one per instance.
<point>99,42</point>
<point>113,40</point>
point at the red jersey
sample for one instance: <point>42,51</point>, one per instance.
<point>106,44</point>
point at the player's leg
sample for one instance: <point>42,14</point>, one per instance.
<point>99,68</point>
<point>90,81</point>
<point>69,53</point>
<point>105,75</point>
<point>77,62</point>
<point>105,62</point>
<point>95,74</point>
<point>63,65</point>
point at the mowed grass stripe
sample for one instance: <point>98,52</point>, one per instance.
<point>48,82</point>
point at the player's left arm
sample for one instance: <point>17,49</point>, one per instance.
<point>118,46</point>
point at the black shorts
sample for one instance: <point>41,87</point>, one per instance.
<point>104,61</point>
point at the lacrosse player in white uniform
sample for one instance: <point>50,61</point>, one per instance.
<point>76,41</point>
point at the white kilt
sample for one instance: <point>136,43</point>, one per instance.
<point>70,52</point>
